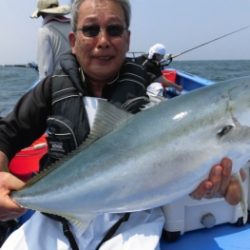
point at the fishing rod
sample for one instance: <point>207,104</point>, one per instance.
<point>171,57</point>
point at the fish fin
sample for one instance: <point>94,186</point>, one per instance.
<point>81,223</point>
<point>243,201</point>
<point>108,117</point>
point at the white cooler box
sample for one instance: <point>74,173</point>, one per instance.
<point>187,214</point>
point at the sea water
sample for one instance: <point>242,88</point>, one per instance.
<point>15,81</point>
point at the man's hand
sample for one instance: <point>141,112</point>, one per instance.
<point>220,183</point>
<point>8,208</point>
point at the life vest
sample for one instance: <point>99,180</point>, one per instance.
<point>68,125</point>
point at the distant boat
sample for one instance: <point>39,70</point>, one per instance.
<point>32,65</point>
<point>187,80</point>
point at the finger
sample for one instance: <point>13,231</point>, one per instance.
<point>8,208</point>
<point>201,190</point>
<point>8,183</point>
<point>11,182</point>
<point>7,204</point>
<point>233,194</point>
<point>215,177</point>
<point>226,165</point>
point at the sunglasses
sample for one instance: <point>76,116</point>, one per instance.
<point>113,30</point>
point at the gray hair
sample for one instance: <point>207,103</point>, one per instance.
<point>125,4</point>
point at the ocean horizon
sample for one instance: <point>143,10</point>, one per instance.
<point>15,81</point>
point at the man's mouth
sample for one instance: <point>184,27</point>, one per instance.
<point>104,58</point>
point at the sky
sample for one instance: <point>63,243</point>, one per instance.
<point>178,24</point>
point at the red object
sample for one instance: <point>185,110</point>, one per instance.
<point>26,162</point>
<point>170,74</point>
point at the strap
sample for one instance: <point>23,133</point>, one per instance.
<point>113,229</point>
<point>69,235</point>
<point>66,230</point>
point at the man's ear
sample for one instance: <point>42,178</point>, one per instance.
<point>72,41</point>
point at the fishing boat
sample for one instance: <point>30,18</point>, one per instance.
<point>187,80</point>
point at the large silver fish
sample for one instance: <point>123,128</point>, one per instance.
<point>149,159</point>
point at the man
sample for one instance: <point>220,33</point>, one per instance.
<point>152,63</point>
<point>97,67</point>
<point>52,36</point>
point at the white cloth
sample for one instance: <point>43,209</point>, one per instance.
<point>52,42</point>
<point>142,231</point>
<point>155,89</point>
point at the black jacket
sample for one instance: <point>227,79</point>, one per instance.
<point>152,67</point>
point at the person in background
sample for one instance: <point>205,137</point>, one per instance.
<point>97,67</point>
<point>52,36</point>
<point>152,62</point>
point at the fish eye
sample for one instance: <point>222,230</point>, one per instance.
<point>224,130</point>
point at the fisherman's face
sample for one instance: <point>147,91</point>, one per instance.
<point>101,40</point>
<point>158,57</point>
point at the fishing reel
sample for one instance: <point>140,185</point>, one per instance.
<point>168,58</point>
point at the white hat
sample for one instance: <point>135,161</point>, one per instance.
<point>50,7</point>
<point>158,48</point>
